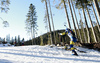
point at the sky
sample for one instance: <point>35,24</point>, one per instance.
<point>16,17</point>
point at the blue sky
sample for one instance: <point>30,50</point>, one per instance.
<point>16,17</point>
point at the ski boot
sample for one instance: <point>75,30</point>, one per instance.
<point>73,51</point>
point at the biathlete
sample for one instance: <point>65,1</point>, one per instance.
<point>72,37</point>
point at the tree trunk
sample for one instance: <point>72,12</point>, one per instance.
<point>32,35</point>
<point>91,24</point>
<point>76,22</point>
<point>52,21</point>
<point>66,14</point>
<point>96,18</point>
<point>97,8</point>
<point>72,18</point>
<point>49,21</point>
<point>83,28</point>
<point>86,25</point>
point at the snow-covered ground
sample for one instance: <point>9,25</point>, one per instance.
<point>45,54</point>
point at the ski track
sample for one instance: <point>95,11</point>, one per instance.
<point>45,54</point>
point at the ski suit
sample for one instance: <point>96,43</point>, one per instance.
<point>72,37</point>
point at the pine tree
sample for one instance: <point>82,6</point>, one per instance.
<point>15,42</point>
<point>4,5</point>
<point>19,40</point>
<point>31,24</point>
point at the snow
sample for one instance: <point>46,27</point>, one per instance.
<point>45,54</point>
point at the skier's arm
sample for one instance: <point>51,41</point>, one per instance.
<point>62,33</point>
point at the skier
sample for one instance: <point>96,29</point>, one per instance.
<point>72,37</point>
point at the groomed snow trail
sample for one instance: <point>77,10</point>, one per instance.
<point>45,54</point>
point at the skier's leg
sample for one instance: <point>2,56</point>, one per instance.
<point>74,52</point>
<point>72,48</point>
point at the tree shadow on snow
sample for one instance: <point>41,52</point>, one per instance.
<point>90,56</point>
<point>30,55</point>
<point>4,61</point>
<point>31,51</point>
